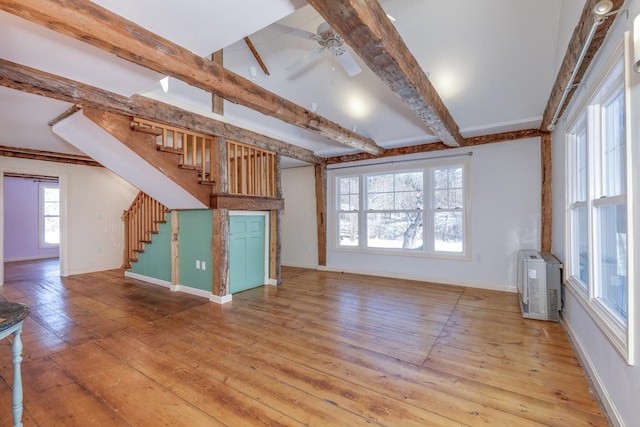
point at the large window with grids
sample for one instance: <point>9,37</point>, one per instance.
<point>420,210</point>
<point>597,209</point>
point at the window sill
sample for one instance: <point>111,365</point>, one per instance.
<point>391,252</point>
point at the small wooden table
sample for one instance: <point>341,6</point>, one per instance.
<point>12,314</point>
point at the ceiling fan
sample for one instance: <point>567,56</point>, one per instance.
<point>329,40</point>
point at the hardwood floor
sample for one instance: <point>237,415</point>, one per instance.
<point>324,349</point>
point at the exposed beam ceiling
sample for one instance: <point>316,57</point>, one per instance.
<point>90,23</point>
<point>367,30</point>
<point>577,44</point>
<point>29,80</point>
<point>437,146</point>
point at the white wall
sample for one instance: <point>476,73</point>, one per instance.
<point>505,217</point>
<point>92,201</point>
<point>299,236</point>
<point>617,383</point>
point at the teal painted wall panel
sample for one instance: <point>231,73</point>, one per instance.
<point>246,252</point>
<point>194,242</point>
<point>155,261</point>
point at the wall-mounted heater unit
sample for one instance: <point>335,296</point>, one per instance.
<point>539,285</point>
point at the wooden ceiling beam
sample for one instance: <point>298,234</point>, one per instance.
<point>367,30</point>
<point>92,24</point>
<point>37,82</point>
<point>438,146</point>
<point>577,44</point>
<point>47,156</point>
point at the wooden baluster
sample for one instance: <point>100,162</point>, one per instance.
<point>164,137</point>
<point>212,158</point>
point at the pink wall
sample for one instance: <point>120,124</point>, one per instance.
<point>21,221</point>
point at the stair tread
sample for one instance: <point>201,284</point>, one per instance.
<point>169,150</point>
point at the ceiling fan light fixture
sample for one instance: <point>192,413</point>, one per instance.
<point>603,7</point>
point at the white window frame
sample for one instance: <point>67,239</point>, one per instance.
<point>41,214</point>
<point>426,167</point>
<point>620,335</point>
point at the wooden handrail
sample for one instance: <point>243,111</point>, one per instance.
<point>196,149</point>
<point>140,222</point>
<point>251,171</point>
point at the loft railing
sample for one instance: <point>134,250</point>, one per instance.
<point>141,220</point>
<point>196,149</point>
<point>251,171</point>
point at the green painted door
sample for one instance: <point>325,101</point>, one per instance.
<point>246,252</point>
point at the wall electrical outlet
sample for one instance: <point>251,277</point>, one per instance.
<point>197,264</point>
<point>204,265</point>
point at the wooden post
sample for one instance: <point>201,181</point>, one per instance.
<point>126,263</point>
<point>321,212</point>
<point>217,102</point>
<point>275,229</point>
<point>545,200</point>
<point>175,248</point>
<point>220,238</point>
<point>220,249</point>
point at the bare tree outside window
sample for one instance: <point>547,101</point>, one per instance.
<point>395,203</point>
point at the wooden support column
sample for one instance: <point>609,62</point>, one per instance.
<point>275,231</point>
<point>175,248</point>
<point>220,249</point>
<point>321,213</point>
<point>546,200</point>
<point>220,238</point>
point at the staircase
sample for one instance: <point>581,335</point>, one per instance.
<point>174,169</point>
<point>141,220</point>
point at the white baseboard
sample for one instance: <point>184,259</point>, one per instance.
<point>271,282</point>
<point>191,291</point>
<point>180,288</point>
<point>439,280</point>
<point>295,265</point>
<point>148,279</point>
<point>601,391</point>
<point>30,258</point>
<point>94,269</point>
<point>220,299</point>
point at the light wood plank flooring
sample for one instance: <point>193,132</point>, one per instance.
<point>324,349</point>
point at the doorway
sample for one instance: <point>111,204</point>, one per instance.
<point>31,219</point>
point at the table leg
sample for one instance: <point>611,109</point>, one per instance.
<point>17,378</point>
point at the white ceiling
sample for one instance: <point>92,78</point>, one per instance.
<point>492,61</point>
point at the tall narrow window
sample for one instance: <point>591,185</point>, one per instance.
<point>348,210</point>
<point>597,220</point>
<point>447,209</point>
<point>49,215</point>
<point>610,209</point>
<point>578,205</point>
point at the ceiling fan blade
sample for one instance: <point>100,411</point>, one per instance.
<point>348,63</point>
<point>305,59</point>
<point>284,29</point>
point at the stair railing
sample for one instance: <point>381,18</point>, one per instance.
<point>251,171</point>
<point>194,148</point>
<point>141,220</point>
